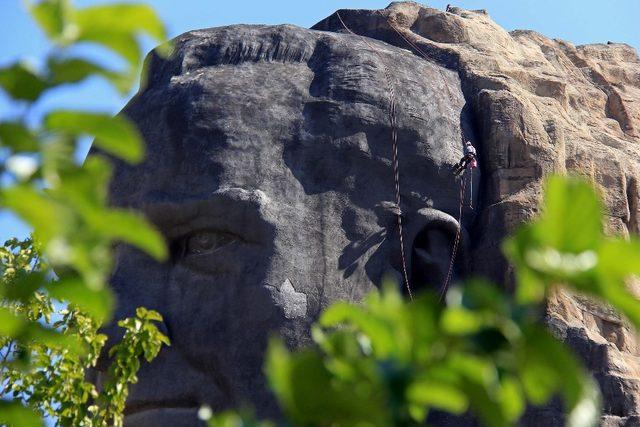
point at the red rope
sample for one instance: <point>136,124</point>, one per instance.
<point>394,148</point>
<point>426,57</point>
<point>456,241</point>
<point>471,188</point>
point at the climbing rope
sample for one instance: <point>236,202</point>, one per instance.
<point>394,148</point>
<point>456,242</point>
<point>427,58</point>
<point>471,188</point>
<point>396,169</point>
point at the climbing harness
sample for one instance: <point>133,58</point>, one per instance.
<point>394,148</point>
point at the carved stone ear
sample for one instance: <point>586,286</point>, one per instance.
<point>431,250</point>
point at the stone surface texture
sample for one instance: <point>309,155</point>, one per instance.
<point>270,172</point>
<point>539,106</point>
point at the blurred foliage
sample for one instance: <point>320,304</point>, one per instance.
<point>47,370</point>
<point>385,362</point>
<point>567,245</point>
<point>232,419</point>
<point>49,321</point>
<point>391,362</point>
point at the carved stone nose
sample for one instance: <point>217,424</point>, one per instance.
<point>432,249</point>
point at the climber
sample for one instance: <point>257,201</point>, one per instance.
<point>468,160</point>
<point>448,9</point>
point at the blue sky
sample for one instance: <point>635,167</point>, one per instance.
<point>577,21</point>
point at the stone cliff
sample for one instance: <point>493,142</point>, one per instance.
<point>270,170</point>
<point>540,106</point>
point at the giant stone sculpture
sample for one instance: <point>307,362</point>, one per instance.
<point>270,172</point>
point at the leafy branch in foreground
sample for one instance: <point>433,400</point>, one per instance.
<point>141,339</point>
<point>390,362</point>
<point>51,376</point>
<point>48,327</point>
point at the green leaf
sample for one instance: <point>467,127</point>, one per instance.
<point>530,289</point>
<point>296,379</point>
<point>10,324</point>
<point>146,314</point>
<point>132,228</point>
<point>120,18</point>
<point>511,398</point>
<point>14,414</point>
<point>24,285</point>
<point>480,294</point>
<point>115,135</point>
<point>96,303</point>
<point>620,258</point>
<point>571,220</point>
<point>619,262</point>
<point>459,321</point>
<point>57,156</point>
<point>376,329</point>
<point>51,16</point>
<point>483,403</point>
<point>616,293</point>
<point>74,70</point>
<point>85,188</point>
<point>232,419</point>
<point>18,137</point>
<point>115,26</point>
<point>278,370</point>
<point>124,45</point>
<point>548,367</point>
<point>439,395</point>
<point>474,368</point>
<point>21,82</point>
<point>562,245</point>
<point>51,338</point>
<point>36,209</point>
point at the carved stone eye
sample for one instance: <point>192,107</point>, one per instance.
<point>205,241</point>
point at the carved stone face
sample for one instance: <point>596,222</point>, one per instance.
<point>269,171</point>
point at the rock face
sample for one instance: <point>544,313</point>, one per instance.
<point>539,106</point>
<point>270,170</point>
